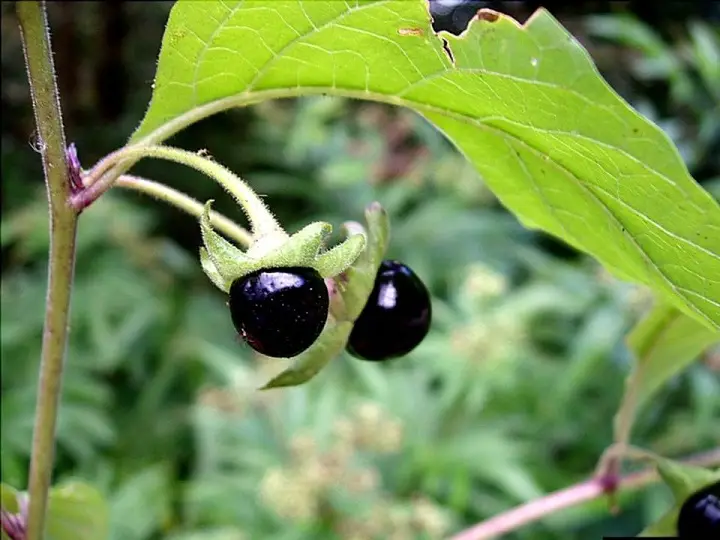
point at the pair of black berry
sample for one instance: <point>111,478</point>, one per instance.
<point>699,517</point>
<point>280,312</point>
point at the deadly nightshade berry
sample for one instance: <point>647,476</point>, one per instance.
<point>279,312</point>
<point>396,317</point>
<point>699,516</point>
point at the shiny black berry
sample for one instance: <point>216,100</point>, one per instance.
<point>396,317</point>
<point>699,517</point>
<point>280,312</point>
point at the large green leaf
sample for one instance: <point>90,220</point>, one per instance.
<point>525,104</point>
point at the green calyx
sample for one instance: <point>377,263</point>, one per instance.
<point>224,263</point>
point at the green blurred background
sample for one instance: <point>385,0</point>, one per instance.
<point>511,395</point>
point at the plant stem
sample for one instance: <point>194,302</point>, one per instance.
<point>185,203</point>
<point>97,181</point>
<point>642,345</point>
<point>63,226</point>
<point>566,498</point>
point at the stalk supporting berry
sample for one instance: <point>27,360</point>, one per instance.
<point>396,317</point>
<point>187,204</point>
<point>262,222</point>
<point>270,247</point>
<point>699,517</point>
<point>280,312</point>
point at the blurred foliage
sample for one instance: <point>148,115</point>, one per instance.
<point>511,395</point>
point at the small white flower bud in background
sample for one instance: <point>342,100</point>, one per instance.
<point>482,282</point>
<point>289,496</point>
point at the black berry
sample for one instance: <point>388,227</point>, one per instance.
<point>699,517</point>
<point>396,317</point>
<point>280,312</point>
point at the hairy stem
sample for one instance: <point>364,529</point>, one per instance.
<point>98,181</point>
<point>566,498</point>
<point>185,203</point>
<point>63,226</point>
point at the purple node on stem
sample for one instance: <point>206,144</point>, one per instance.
<point>13,525</point>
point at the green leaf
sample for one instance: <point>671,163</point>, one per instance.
<point>683,480</point>
<point>338,259</point>
<point>224,260</point>
<point>525,104</point>
<point>329,345</point>
<point>76,511</point>
<point>212,272</point>
<point>223,263</point>
<point>664,343</point>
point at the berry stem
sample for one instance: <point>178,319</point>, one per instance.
<point>63,226</point>
<point>187,204</point>
<point>624,420</point>
<point>262,221</point>
<point>580,493</point>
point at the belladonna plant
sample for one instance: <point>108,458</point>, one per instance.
<point>557,145</point>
